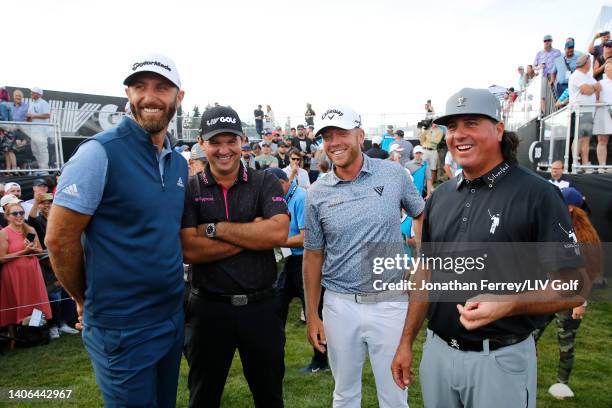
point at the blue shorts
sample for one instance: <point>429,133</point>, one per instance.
<point>137,367</point>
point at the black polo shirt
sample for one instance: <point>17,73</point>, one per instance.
<point>509,204</point>
<point>254,194</point>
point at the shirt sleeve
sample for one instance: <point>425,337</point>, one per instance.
<point>412,201</point>
<point>190,214</point>
<point>272,198</point>
<point>313,230</point>
<point>554,231</point>
<point>81,184</point>
<point>299,211</point>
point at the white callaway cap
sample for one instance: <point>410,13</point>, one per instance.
<point>157,63</point>
<point>341,117</point>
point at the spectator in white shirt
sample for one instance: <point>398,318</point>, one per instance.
<point>603,116</point>
<point>582,90</point>
<point>295,171</point>
<point>556,175</point>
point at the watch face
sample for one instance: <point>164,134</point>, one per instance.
<point>210,230</point>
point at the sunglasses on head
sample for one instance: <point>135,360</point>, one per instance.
<point>17,213</point>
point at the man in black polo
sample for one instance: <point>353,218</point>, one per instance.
<point>479,351</point>
<point>233,219</point>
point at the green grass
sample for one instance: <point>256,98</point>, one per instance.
<point>65,364</point>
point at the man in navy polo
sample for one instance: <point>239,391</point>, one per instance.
<point>113,240</point>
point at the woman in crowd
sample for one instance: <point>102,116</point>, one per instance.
<point>602,126</point>
<point>22,279</point>
<point>568,321</point>
<point>529,74</point>
<point>269,118</point>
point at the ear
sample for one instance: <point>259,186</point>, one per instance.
<point>499,130</point>
<point>360,136</point>
<point>179,98</point>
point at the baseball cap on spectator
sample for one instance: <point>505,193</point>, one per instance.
<point>267,132</point>
<point>283,144</point>
<point>377,140</point>
<point>37,90</point>
<point>522,68</point>
<point>156,63</point>
<point>571,196</point>
<point>10,185</point>
<point>548,37</point>
<point>220,119</point>
<point>9,199</point>
<point>197,154</point>
<point>569,44</point>
<point>399,132</point>
<point>46,197</point>
<point>279,173</point>
<point>300,126</point>
<point>471,101</point>
<point>395,148</point>
<point>264,143</point>
<point>41,182</point>
<point>582,60</point>
<point>311,126</point>
<point>341,117</point>
<point>246,147</point>
<point>417,149</point>
<point>608,43</point>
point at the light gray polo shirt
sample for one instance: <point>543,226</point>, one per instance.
<point>354,221</point>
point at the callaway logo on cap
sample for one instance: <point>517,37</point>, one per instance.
<point>342,117</point>
<point>156,63</point>
<point>220,119</point>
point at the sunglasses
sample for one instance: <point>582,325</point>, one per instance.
<point>17,213</point>
<point>296,159</point>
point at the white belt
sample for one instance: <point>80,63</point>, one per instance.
<point>374,297</point>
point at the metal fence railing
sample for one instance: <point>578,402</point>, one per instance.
<point>30,147</point>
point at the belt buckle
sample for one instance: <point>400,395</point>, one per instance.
<point>365,298</point>
<point>239,300</point>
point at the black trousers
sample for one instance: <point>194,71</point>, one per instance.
<point>213,332</point>
<point>290,285</point>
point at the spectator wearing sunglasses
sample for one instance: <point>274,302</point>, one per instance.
<point>22,281</point>
<point>295,171</point>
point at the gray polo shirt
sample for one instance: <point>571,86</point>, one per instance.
<point>352,221</point>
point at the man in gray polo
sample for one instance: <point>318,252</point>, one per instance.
<point>353,217</point>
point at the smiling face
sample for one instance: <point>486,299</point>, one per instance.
<point>343,147</point>
<point>15,214</point>
<point>14,190</point>
<point>475,143</point>
<point>153,101</point>
<point>44,207</point>
<point>223,152</point>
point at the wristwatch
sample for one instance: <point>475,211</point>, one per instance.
<point>211,230</point>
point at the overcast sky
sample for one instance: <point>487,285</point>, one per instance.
<point>376,55</point>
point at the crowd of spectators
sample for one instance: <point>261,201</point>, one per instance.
<point>27,281</point>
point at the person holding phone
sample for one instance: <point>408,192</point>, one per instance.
<point>22,281</point>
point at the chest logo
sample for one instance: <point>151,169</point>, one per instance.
<point>494,221</point>
<point>180,182</point>
<point>570,234</point>
<point>379,190</point>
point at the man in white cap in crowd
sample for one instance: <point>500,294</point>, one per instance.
<point>126,274</point>
<point>15,189</point>
<point>39,112</point>
<point>352,216</point>
<point>376,152</point>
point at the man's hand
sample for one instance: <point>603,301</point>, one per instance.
<point>401,366</point>
<point>79,307</point>
<point>38,198</point>
<point>477,312</point>
<point>578,312</point>
<point>316,333</point>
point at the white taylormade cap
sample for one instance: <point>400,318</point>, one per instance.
<point>157,63</point>
<point>341,117</point>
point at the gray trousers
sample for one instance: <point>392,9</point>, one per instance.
<point>451,378</point>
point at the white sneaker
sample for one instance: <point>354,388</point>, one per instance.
<point>560,391</point>
<point>64,328</point>
<point>54,333</point>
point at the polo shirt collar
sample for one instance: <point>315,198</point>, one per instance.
<point>489,179</point>
<point>207,178</point>
<point>366,167</point>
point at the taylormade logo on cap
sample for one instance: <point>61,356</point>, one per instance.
<point>145,63</point>
<point>156,63</point>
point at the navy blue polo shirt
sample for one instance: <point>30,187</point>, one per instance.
<point>253,194</point>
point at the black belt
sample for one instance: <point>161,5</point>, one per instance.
<point>235,300</point>
<point>494,344</point>
<point>428,148</point>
